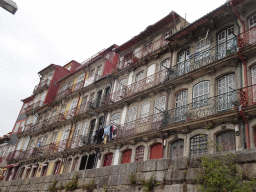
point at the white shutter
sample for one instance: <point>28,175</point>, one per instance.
<point>19,145</point>
<point>151,70</point>
<point>84,129</point>
<point>132,114</point>
<point>160,104</point>
<point>25,145</point>
<point>145,110</point>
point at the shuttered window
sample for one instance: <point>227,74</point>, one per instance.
<point>145,110</point>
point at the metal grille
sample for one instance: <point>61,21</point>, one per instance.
<point>198,145</point>
<point>139,153</point>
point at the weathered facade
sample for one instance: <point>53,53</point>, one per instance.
<point>165,93</point>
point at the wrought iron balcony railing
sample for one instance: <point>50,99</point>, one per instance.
<point>42,84</point>
<point>34,106</point>
<point>63,93</point>
<point>147,50</point>
<point>143,125</point>
<point>136,87</point>
<point>247,38</point>
<point>78,141</point>
<point>83,108</point>
<point>201,109</point>
<point>248,96</point>
<point>202,58</point>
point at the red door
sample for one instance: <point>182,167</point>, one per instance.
<point>156,151</point>
<point>108,160</point>
<point>127,156</point>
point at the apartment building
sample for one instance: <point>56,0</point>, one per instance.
<point>168,92</point>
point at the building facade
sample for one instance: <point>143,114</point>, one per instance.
<point>172,90</point>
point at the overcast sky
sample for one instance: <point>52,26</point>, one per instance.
<point>43,32</point>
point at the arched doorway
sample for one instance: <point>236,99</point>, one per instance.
<point>177,148</point>
<point>226,141</point>
<point>127,156</point>
<point>156,151</point>
<point>108,160</point>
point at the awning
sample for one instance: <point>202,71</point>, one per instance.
<point>13,165</point>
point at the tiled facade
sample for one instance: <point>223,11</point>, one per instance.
<point>168,92</point>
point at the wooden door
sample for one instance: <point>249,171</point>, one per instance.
<point>127,156</point>
<point>177,148</point>
<point>108,160</point>
<point>156,151</point>
<point>226,141</point>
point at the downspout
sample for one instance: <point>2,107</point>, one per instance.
<point>240,76</point>
<point>247,126</point>
<point>245,75</point>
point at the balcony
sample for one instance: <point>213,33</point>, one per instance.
<point>203,58</point>
<point>62,94</point>
<point>41,85</point>
<point>146,51</point>
<point>247,38</point>
<point>34,106</point>
<point>143,125</point>
<point>39,151</point>
<point>139,86</point>
<point>248,96</point>
<point>202,109</point>
<point>78,141</point>
<point>83,108</point>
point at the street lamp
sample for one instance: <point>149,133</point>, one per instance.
<point>9,6</point>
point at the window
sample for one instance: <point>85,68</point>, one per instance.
<point>128,59</point>
<point>57,168</point>
<point>145,110</point>
<point>202,51</point>
<point>139,76</point>
<point>198,145</point>
<point>165,64</point>
<point>226,42</point>
<point>202,45</point>
<point>115,119</point>
<point>183,62</point>
<point>147,48</point>
<point>226,92</point>
<point>16,127</point>
<point>101,122</point>
<point>98,75</point>
<point>98,102</point>
<point>252,21</point>
<point>24,108</point>
<point>165,35</point>
<point>201,94</point>
<point>139,153</point>
<point>132,114</point>
<point>181,105</point>
<point>34,171</point>
<point>151,71</point>
<point>160,104</point>
<point>44,169</point>
<point>21,172</point>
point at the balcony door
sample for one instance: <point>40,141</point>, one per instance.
<point>72,109</point>
<point>131,119</point>
<point>159,108</point>
<point>226,92</point>
<point>253,73</point>
<point>64,139</point>
<point>252,31</point>
<point>120,90</point>
<point>226,141</point>
<point>183,62</point>
<point>226,42</point>
<point>76,137</point>
<point>181,105</point>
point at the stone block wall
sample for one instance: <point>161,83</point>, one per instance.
<point>179,175</point>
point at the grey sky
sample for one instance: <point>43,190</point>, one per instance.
<point>45,32</point>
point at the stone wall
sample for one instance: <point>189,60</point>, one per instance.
<point>179,175</point>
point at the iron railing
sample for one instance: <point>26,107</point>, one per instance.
<point>42,84</point>
<point>34,106</point>
<point>63,93</point>
<point>248,96</point>
<point>136,87</point>
<point>147,50</point>
<point>247,38</point>
<point>202,58</point>
<point>149,123</point>
<point>201,109</point>
<point>83,108</point>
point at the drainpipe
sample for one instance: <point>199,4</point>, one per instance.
<point>237,14</point>
<point>247,126</point>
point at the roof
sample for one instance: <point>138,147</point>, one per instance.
<point>200,22</point>
<point>92,59</point>
<point>30,98</point>
<point>151,28</point>
<point>48,67</point>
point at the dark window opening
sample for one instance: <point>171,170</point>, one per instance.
<point>91,161</point>
<point>99,98</point>
<point>83,162</point>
